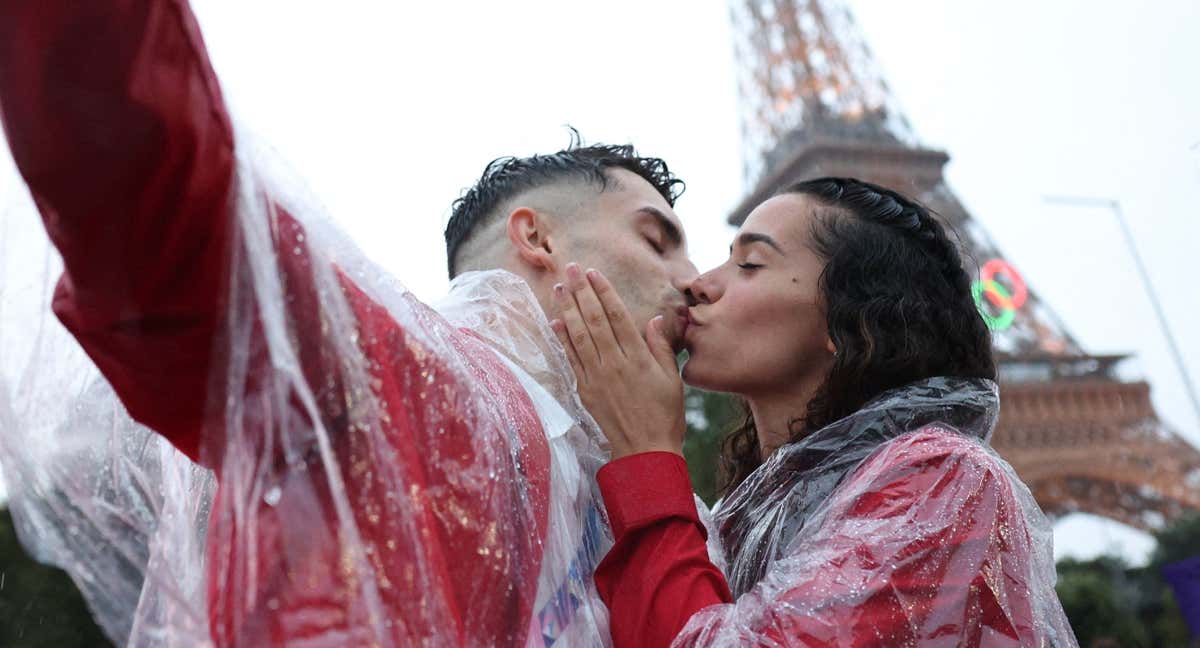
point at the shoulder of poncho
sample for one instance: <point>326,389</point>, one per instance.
<point>494,281</point>
<point>933,445</point>
<point>939,453</point>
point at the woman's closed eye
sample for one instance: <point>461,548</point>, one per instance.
<point>655,244</point>
<point>746,265</point>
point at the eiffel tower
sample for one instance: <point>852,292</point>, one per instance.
<point>814,103</point>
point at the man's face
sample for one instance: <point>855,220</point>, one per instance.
<point>632,235</point>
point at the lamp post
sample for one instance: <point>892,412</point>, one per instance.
<point>1115,206</point>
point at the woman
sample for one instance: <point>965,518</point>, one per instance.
<point>863,506</point>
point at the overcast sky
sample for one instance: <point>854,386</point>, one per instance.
<point>390,109</point>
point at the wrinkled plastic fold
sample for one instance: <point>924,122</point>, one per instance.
<point>341,515</point>
<point>895,526</point>
<point>234,429</point>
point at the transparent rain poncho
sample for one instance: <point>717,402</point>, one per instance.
<point>247,434</point>
<point>895,526</point>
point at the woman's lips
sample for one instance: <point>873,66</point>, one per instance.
<point>688,333</point>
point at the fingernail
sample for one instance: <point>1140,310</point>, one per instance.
<point>592,274</point>
<point>573,270</point>
<point>558,290</point>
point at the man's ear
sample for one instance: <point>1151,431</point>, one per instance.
<point>530,237</point>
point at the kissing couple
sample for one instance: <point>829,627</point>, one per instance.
<point>505,469</point>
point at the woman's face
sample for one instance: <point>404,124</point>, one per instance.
<point>759,324</point>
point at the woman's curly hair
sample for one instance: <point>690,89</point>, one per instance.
<point>898,308</point>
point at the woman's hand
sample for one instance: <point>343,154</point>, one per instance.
<point>630,385</point>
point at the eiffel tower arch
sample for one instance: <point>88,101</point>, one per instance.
<point>814,103</point>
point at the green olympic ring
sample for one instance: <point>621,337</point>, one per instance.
<point>1006,316</point>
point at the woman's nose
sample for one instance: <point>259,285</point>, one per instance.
<point>704,290</point>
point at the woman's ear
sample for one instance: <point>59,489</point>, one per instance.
<point>830,346</point>
<point>529,235</point>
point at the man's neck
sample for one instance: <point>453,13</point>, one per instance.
<point>500,307</point>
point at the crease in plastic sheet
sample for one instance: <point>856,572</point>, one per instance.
<point>333,511</point>
<point>501,308</point>
<point>896,526</point>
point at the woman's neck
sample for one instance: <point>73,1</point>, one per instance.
<point>774,413</point>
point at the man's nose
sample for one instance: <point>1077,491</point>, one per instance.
<point>684,278</point>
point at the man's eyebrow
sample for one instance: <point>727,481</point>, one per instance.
<point>670,229</point>
<point>746,238</point>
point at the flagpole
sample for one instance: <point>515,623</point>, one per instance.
<point>1115,207</point>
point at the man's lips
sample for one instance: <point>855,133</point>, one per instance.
<point>684,313</point>
<point>683,321</point>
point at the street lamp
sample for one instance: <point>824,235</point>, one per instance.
<point>1115,206</point>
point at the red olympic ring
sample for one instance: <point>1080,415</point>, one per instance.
<point>1000,298</point>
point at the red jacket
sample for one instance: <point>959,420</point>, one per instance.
<point>930,541</point>
<point>352,507</point>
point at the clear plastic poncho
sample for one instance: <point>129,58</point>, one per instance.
<point>301,452</point>
<point>895,526</point>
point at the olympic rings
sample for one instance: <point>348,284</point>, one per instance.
<point>994,322</point>
<point>1019,291</point>
<point>998,295</point>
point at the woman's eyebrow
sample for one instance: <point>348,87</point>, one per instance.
<point>746,238</point>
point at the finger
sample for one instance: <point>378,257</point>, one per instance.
<point>593,314</point>
<point>577,332</point>
<point>560,331</point>
<point>660,347</point>
<point>623,328</point>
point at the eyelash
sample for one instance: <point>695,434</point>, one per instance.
<point>749,266</point>
<point>657,248</point>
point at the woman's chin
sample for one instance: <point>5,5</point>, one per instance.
<point>695,374</point>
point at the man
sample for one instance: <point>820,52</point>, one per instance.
<point>385,477</point>
<point>536,219</point>
<point>598,206</point>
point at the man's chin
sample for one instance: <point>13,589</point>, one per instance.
<point>673,331</point>
<point>674,328</point>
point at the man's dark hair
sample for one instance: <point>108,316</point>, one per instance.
<point>506,177</point>
<point>898,307</point>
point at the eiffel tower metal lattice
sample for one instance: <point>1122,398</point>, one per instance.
<point>814,103</point>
